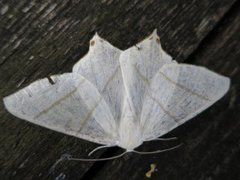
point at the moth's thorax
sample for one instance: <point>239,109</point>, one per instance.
<point>130,134</point>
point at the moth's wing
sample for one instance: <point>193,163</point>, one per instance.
<point>71,106</point>
<point>177,93</point>
<point>101,67</point>
<point>139,64</point>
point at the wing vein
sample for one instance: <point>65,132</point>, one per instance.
<point>89,114</point>
<point>111,78</point>
<point>154,99</point>
<point>163,108</point>
<point>58,101</point>
<point>184,88</point>
<point>141,75</point>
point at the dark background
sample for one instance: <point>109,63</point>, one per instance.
<point>39,38</point>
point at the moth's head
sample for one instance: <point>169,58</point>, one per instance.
<point>130,144</point>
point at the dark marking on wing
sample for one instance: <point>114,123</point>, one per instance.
<point>92,42</point>
<point>50,80</point>
<point>139,48</point>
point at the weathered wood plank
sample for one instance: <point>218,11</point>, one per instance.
<point>38,38</point>
<point>211,142</point>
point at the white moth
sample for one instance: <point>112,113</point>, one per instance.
<point>120,98</point>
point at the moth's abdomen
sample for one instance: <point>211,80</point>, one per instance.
<point>130,133</point>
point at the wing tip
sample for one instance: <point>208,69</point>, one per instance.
<point>9,105</point>
<point>94,39</point>
<point>5,101</point>
<point>96,36</point>
<point>227,84</point>
<point>98,40</point>
<point>152,38</point>
<point>154,33</point>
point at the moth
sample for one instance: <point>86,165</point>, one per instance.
<point>120,98</point>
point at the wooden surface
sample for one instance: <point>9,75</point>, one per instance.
<point>38,38</point>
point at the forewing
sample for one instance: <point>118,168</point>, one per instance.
<point>101,67</point>
<point>71,106</point>
<point>139,64</point>
<point>177,93</point>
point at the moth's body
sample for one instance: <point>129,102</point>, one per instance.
<point>122,98</point>
<point>130,135</point>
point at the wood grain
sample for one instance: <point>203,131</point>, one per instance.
<point>38,38</point>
